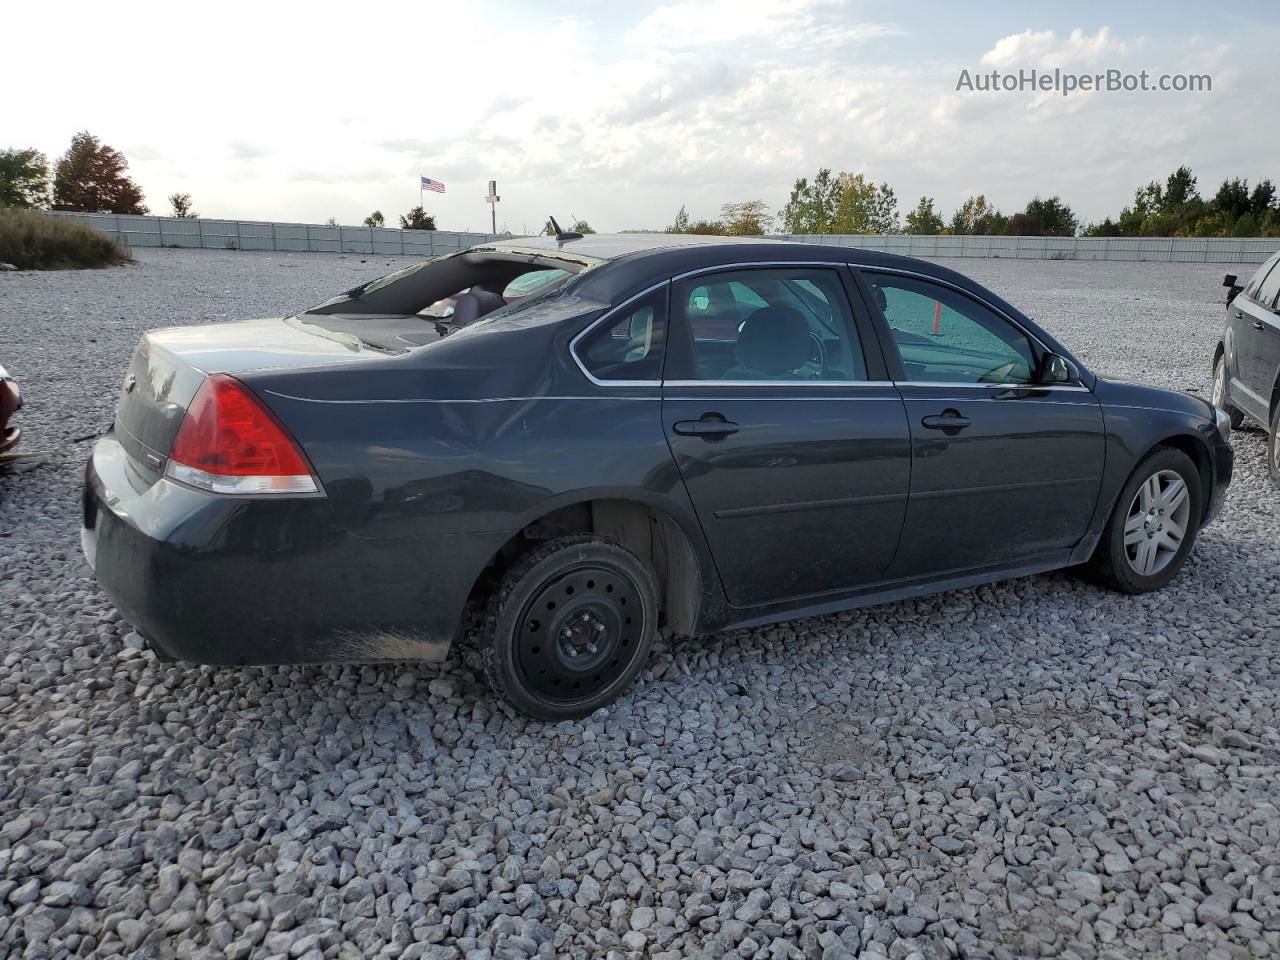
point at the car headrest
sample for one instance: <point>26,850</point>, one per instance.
<point>773,340</point>
<point>474,304</point>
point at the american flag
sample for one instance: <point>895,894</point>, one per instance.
<point>434,185</point>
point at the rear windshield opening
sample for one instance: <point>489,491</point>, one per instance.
<point>457,290</point>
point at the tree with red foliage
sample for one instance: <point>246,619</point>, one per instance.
<point>90,178</point>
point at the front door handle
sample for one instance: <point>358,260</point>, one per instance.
<point>710,427</point>
<point>1239,314</point>
<point>947,420</point>
<point>1259,325</point>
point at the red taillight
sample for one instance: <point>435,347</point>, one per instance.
<point>229,442</point>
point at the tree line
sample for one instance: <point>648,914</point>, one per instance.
<point>851,203</point>
<point>92,177</point>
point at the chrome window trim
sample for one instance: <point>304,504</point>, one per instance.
<point>1059,403</point>
<point>573,344</point>
<point>777,383</point>
<point>753,264</point>
<point>719,399</point>
<point>953,385</point>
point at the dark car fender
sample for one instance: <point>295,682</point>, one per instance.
<point>1139,419</point>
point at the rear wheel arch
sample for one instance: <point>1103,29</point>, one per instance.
<point>647,530</point>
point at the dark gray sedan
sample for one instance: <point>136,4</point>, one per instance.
<point>656,432</point>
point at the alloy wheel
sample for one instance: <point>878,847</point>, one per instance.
<point>1220,386</point>
<point>1157,522</point>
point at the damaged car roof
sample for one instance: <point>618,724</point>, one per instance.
<point>610,246</point>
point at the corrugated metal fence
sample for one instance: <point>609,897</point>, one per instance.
<point>1174,249</point>
<point>261,235</point>
<point>264,235</point>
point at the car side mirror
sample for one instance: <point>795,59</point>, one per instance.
<point>1057,369</point>
<point>1234,288</point>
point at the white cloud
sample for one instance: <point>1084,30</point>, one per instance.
<point>1043,48</point>
<point>783,22</point>
<point>622,121</point>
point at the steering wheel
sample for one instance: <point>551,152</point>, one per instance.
<point>817,356</point>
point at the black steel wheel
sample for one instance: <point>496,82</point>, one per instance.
<point>569,627</point>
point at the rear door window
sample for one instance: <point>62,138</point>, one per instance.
<point>631,344</point>
<point>772,324</point>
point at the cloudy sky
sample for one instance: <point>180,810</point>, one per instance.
<point>620,114</point>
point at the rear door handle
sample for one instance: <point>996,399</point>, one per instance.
<point>709,427</point>
<point>949,420</point>
<point>1259,325</point>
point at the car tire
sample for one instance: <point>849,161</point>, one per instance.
<point>1273,448</point>
<point>569,627</point>
<point>1221,396</point>
<point>1135,554</point>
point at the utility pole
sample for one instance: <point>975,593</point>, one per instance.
<point>492,200</point>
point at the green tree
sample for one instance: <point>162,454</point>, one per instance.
<point>181,204</point>
<point>1263,199</point>
<point>24,178</point>
<point>747,218</point>
<point>582,227</point>
<point>90,178</point>
<point>863,206</point>
<point>812,207</point>
<point>1050,217</point>
<point>375,219</point>
<point>417,219</point>
<point>681,222</point>
<point>1179,191</point>
<point>707,228</point>
<point>1232,199</point>
<point>331,222</point>
<point>924,219</point>
<point>977,217</point>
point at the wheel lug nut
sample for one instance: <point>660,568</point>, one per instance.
<point>591,648</point>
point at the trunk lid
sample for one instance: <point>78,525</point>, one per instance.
<point>169,365</point>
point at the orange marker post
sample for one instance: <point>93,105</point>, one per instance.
<point>937,318</point>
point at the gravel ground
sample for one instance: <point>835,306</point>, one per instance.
<point>1036,768</point>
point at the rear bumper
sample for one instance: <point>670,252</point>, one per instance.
<point>226,580</point>
<point>1224,458</point>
